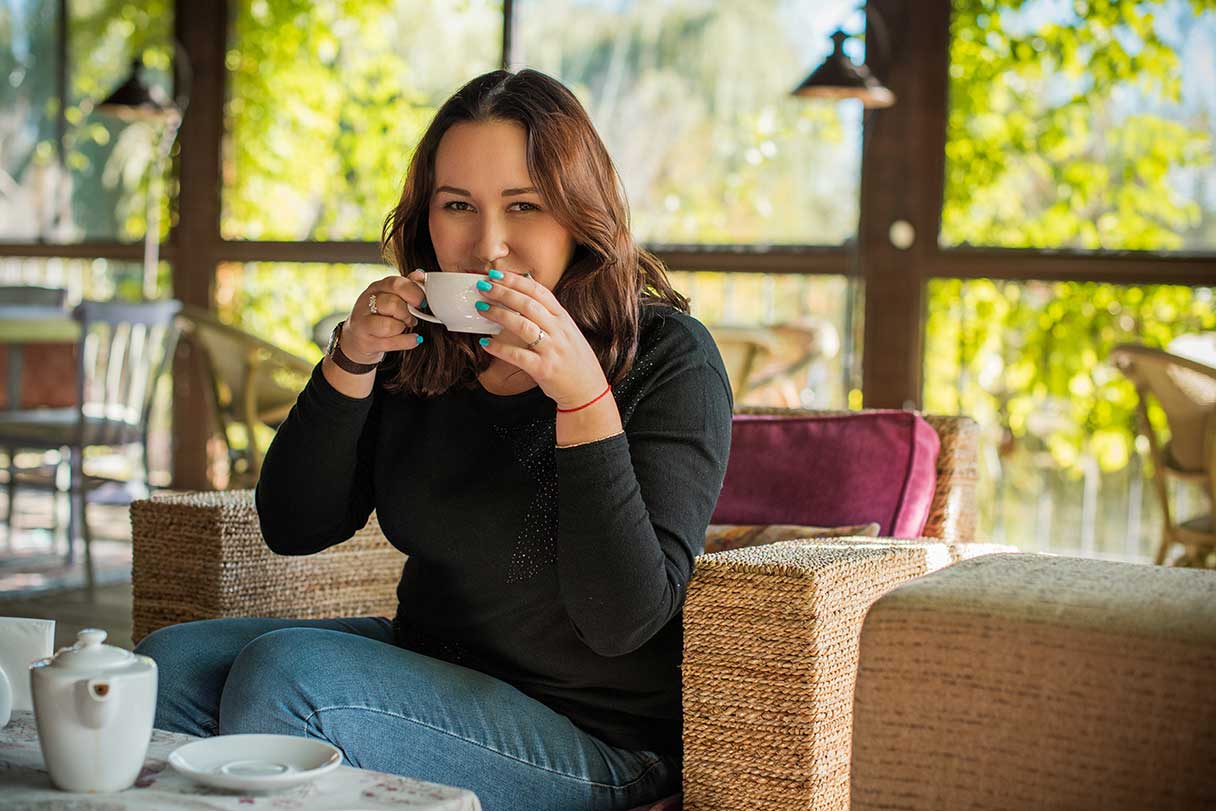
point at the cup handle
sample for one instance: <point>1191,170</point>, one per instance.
<point>414,311</point>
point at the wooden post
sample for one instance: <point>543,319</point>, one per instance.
<point>202,28</point>
<point>902,179</point>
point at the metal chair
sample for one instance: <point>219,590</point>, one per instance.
<point>1186,391</point>
<point>123,351</point>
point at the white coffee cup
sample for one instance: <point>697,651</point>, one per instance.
<point>453,297</point>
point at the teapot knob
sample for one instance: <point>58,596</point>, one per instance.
<point>91,637</point>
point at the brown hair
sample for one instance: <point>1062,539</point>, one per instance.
<point>609,277</point>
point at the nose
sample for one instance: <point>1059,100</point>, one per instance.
<point>491,241</point>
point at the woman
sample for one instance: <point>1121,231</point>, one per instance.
<point>551,486</point>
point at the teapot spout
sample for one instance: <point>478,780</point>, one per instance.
<point>96,702</point>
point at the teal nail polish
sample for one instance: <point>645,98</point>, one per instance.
<point>419,339</point>
<point>495,274</point>
<point>482,305</point>
<point>484,286</point>
<point>423,305</point>
<point>483,341</point>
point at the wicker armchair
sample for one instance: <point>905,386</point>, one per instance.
<point>771,632</point>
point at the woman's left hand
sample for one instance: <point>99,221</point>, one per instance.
<point>541,338</point>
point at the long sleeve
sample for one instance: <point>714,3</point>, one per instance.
<point>315,488</point>
<point>632,509</point>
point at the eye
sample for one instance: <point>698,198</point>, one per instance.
<point>457,205</point>
<point>525,206</point>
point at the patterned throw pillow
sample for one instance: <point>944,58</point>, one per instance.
<point>720,537</point>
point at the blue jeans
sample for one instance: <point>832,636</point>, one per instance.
<point>392,710</point>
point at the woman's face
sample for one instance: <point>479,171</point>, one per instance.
<point>485,211</point>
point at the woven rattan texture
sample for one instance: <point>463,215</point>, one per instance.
<point>952,513</point>
<point>770,655</point>
<point>201,555</point>
<point>1028,681</point>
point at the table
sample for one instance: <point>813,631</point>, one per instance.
<point>28,323</point>
<point>24,784</point>
<point>22,324</point>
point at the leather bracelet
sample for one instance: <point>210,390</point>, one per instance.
<point>599,397</point>
<point>342,361</point>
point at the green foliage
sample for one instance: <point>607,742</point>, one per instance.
<point>110,159</point>
<point>282,302</point>
<point>1041,151</point>
<point>692,100</point>
<point>1037,157</point>
<point>1030,359</point>
<point>325,108</point>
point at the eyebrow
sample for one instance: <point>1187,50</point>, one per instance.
<point>505,192</point>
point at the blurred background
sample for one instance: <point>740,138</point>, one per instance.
<point>1041,189</point>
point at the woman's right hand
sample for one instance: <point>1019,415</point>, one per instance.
<point>367,336</point>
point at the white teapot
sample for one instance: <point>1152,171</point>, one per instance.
<point>94,705</point>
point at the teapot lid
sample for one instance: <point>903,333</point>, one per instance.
<point>89,657</point>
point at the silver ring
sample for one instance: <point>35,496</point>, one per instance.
<point>539,338</point>
<point>371,304</point>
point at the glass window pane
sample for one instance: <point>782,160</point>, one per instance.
<point>692,99</point>
<point>1062,469</point>
<point>327,101</point>
<point>1081,125</point>
<point>111,162</point>
<point>282,302</point>
<point>93,279</point>
<point>29,165</point>
<point>782,336</point>
<point>98,190</point>
<point>796,322</point>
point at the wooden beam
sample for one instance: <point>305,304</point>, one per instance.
<point>1127,267</point>
<point>202,28</point>
<point>120,251</point>
<point>732,258</point>
<point>902,179</point>
<point>326,252</point>
<point>755,258</point>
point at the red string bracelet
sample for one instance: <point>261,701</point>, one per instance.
<point>584,405</point>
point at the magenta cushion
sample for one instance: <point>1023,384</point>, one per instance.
<point>829,471</point>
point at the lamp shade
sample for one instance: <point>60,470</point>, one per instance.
<point>135,99</point>
<point>841,78</point>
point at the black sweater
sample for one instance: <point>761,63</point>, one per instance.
<point>561,571</point>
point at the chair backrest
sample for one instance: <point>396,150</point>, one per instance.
<point>1186,391</point>
<point>952,511</point>
<point>125,347</point>
<point>29,295</point>
<point>247,373</point>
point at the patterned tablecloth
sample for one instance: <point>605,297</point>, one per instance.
<point>25,786</point>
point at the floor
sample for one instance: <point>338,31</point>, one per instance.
<point>35,582</point>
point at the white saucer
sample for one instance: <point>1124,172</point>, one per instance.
<point>255,762</point>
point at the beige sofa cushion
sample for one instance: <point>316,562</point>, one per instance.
<point>1031,681</point>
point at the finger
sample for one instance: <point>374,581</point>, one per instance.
<point>530,287</point>
<point>402,287</point>
<point>499,292</point>
<point>382,326</point>
<point>390,305</point>
<point>529,361</point>
<point>407,342</point>
<point>523,328</point>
